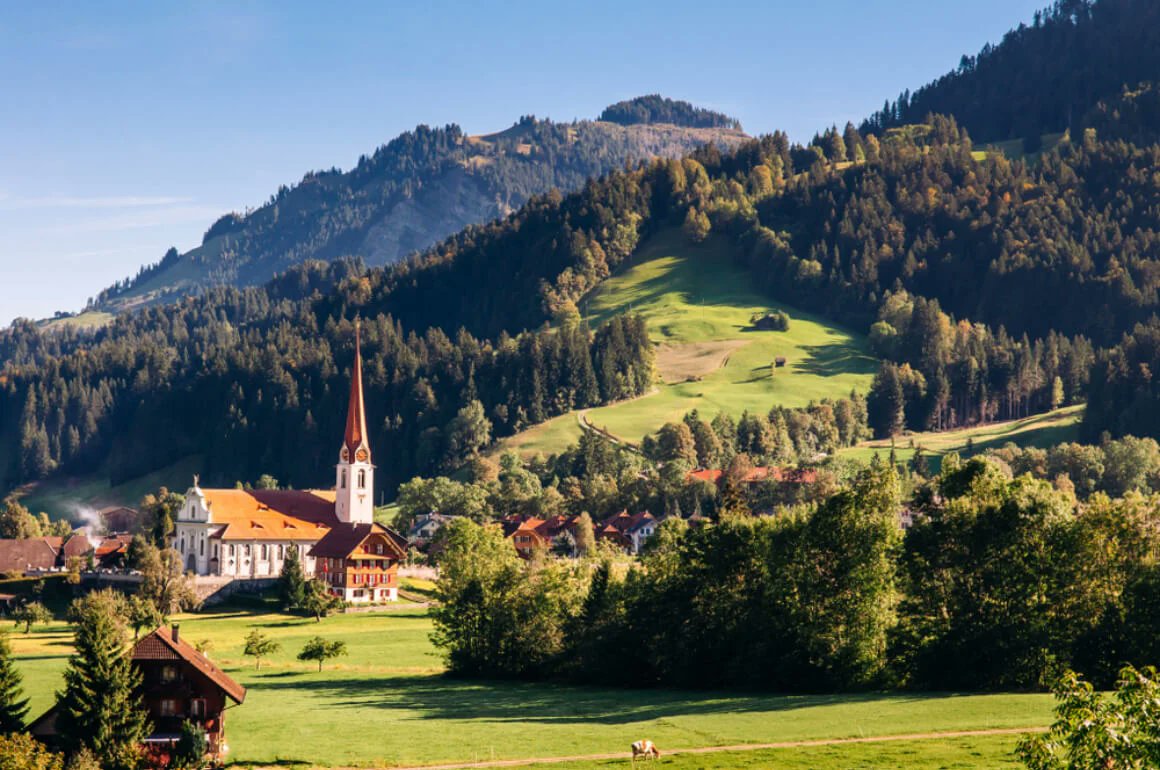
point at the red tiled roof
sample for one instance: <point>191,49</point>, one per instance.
<point>113,544</point>
<point>343,539</point>
<point>619,522</point>
<point>77,545</point>
<point>758,474</point>
<point>160,645</point>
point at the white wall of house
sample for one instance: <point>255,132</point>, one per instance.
<point>641,536</point>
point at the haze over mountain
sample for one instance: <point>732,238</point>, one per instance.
<point>419,188</point>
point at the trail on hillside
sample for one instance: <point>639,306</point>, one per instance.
<point>588,425</point>
<point>626,755</point>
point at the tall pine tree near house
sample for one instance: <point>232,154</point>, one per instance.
<point>292,583</point>
<point>13,706</point>
<point>100,708</point>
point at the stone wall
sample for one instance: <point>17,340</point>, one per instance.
<point>215,589</point>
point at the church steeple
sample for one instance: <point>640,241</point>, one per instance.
<point>355,483</point>
<point>356,414</point>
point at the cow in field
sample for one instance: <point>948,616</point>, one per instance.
<point>644,749</point>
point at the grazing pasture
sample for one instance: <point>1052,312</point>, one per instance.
<point>389,704</point>
<point>699,307</point>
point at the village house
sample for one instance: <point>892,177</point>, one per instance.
<point>359,563</point>
<point>425,527</point>
<point>247,534</point>
<point>525,535</point>
<point>628,531</point>
<point>38,555</point>
<point>179,684</point>
<point>112,552</point>
<point>557,533</point>
<point>118,519</point>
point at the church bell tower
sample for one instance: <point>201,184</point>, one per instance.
<point>354,487</point>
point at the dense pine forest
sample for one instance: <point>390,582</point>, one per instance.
<point>1044,77</point>
<point>255,380</point>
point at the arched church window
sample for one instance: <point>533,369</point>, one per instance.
<point>344,479</point>
<point>362,479</point>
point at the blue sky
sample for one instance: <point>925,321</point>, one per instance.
<point>126,128</point>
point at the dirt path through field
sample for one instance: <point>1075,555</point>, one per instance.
<point>739,747</point>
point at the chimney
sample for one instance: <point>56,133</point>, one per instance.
<point>176,634</point>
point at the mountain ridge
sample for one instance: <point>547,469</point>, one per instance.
<point>418,189</point>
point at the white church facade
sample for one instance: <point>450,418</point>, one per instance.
<point>247,534</point>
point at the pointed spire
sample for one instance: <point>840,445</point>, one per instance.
<point>356,418</point>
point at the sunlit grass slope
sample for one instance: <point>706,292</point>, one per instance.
<point>1040,430</point>
<point>698,304</point>
<point>387,703</point>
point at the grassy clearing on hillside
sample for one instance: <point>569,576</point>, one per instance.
<point>67,497</point>
<point>698,305</point>
<point>390,690</point>
<point>90,319</point>
<point>1041,430</point>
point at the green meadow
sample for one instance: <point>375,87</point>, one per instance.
<point>989,752</point>
<point>1040,430</point>
<point>388,704</point>
<point>698,305</point>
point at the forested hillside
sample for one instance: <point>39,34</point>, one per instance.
<point>255,381</point>
<point>989,285</point>
<point>421,187</point>
<point>1042,78</point>
<point>919,226</point>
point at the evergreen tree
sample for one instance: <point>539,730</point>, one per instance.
<point>100,708</point>
<point>292,582</point>
<point>319,601</point>
<point>13,707</point>
<point>885,404</point>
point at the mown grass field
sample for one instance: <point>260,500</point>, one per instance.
<point>1040,430</point>
<point>388,704</point>
<point>698,305</point>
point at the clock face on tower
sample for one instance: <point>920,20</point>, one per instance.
<point>345,455</point>
<point>361,455</point>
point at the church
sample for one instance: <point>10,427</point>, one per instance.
<point>247,534</point>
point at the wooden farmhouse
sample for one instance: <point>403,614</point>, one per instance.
<point>178,684</point>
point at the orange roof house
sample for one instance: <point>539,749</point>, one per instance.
<point>629,531</point>
<point>529,533</point>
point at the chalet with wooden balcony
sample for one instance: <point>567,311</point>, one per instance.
<point>359,563</point>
